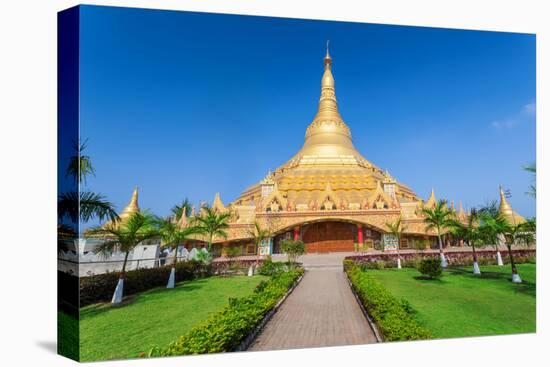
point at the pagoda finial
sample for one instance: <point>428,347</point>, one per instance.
<point>431,200</point>
<point>132,207</point>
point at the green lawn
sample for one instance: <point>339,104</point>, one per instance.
<point>67,335</point>
<point>155,317</point>
<point>461,304</point>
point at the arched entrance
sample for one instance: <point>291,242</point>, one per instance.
<point>330,237</point>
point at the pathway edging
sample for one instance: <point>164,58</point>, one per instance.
<point>245,344</point>
<point>371,322</point>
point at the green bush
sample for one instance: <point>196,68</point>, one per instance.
<point>394,317</point>
<point>431,268</point>
<point>225,330</point>
<point>100,288</point>
<point>269,267</point>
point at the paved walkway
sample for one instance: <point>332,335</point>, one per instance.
<point>320,312</point>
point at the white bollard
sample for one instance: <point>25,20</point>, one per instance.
<point>172,278</point>
<point>117,296</point>
<point>499,259</point>
<point>443,260</point>
<point>398,263</point>
<point>516,278</point>
<point>476,268</point>
<point>250,270</point>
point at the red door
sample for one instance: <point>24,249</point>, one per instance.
<point>330,237</point>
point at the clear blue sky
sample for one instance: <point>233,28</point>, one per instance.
<point>188,104</point>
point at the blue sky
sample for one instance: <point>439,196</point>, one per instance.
<point>189,104</point>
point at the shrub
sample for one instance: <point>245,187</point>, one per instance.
<point>270,268</point>
<point>431,268</point>
<point>293,249</point>
<point>225,330</point>
<point>393,316</point>
<point>100,288</point>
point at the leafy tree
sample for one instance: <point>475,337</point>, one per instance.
<point>212,224</point>
<point>124,236</point>
<point>439,218</point>
<point>173,235</point>
<point>396,229</point>
<point>293,249</point>
<point>469,233</point>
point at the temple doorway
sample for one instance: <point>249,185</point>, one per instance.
<point>325,237</point>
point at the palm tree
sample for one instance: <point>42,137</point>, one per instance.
<point>490,220</point>
<point>438,219</point>
<point>179,209</point>
<point>124,236</point>
<point>396,229</point>
<point>517,234</point>
<point>83,205</point>
<point>532,168</point>
<point>212,224</point>
<point>469,233</point>
<point>80,165</point>
<point>258,235</point>
<point>173,234</point>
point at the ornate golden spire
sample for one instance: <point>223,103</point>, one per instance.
<point>218,204</point>
<point>182,223</point>
<point>132,206</point>
<point>328,119</point>
<point>431,200</point>
<point>461,213</point>
<point>328,138</point>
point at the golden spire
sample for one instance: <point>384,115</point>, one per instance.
<point>183,220</point>
<point>328,137</point>
<point>218,204</point>
<point>431,203</point>
<point>461,212</point>
<point>132,206</point>
<point>328,118</point>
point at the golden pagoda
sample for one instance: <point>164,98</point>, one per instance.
<point>327,194</point>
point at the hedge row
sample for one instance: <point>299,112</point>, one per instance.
<point>100,288</point>
<point>393,317</point>
<point>463,258</point>
<point>225,330</point>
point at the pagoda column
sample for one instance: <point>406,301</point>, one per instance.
<point>296,233</point>
<point>359,237</point>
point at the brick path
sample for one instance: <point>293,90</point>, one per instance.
<point>321,312</point>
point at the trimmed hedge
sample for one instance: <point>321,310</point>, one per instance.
<point>393,317</point>
<point>454,258</point>
<point>100,288</point>
<point>225,330</point>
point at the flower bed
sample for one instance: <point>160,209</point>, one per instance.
<point>225,330</point>
<point>392,316</point>
<point>454,258</point>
